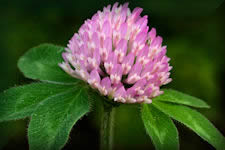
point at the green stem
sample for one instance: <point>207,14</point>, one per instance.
<point>107,127</point>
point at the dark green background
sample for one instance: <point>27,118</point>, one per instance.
<point>193,30</point>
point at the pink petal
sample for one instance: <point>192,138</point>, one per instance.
<point>116,74</point>
<point>134,75</point>
<point>136,14</point>
<point>120,94</point>
<point>152,34</point>
<point>156,42</point>
<point>121,49</point>
<point>96,56</point>
<point>141,37</point>
<point>141,83</point>
<point>110,63</point>
<point>115,6</point>
<point>123,30</point>
<point>94,79</point>
<point>105,86</point>
<point>95,39</point>
<point>106,49</point>
<point>106,82</point>
<point>148,91</point>
<point>127,63</point>
<point>142,57</point>
<point>106,29</point>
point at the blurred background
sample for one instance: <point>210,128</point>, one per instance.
<point>193,30</point>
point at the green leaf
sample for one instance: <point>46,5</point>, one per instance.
<point>20,102</point>
<point>195,121</point>
<point>41,63</point>
<point>174,96</point>
<point>52,121</point>
<point>160,128</point>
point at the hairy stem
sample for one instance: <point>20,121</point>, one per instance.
<point>107,127</point>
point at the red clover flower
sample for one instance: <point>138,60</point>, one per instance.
<point>115,52</point>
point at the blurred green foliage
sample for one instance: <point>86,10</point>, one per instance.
<point>192,30</point>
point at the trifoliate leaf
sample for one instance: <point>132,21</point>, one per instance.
<point>20,102</point>
<point>160,128</point>
<point>174,96</point>
<point>53,120</point>
<point>41,63</point>
<point>195,121</point>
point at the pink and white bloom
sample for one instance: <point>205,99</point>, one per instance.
<point>116,54</point>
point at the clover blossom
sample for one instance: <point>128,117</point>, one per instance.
<point>115,52</point>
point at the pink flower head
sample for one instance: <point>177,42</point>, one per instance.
<point>116,54</point>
